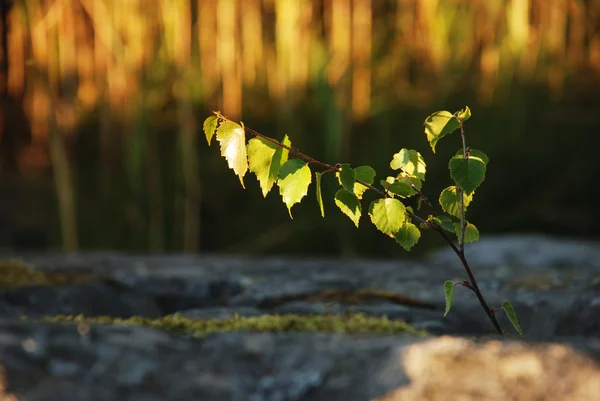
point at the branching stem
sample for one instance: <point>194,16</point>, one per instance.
<point>460,250</point>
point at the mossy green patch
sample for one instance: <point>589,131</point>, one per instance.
<point>15,273</point>
<point>349,323</point>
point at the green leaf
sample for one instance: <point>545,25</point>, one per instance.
<point>365,174</point>
<point>408,235</point>
<point>400,188</point>
<point>450,201</point>
<point>464,115</point>
<point>475,153</point>
<point>349,205</point>
<point>319,195</point>
<point>294,179</point>
<point>261,160</point>
<point>471,232</point>
<point>468,173</point>
<point>445,222</point>
<point>438,125</point>
<point>449,295</point>
<point>388,215</point>
<point>347,177</point>
<point>512,316</point>
<point>414,166</point>
<point>232,138</point>
<point>265,159</point>
<point>410,180</point>
<point>210,126</point>
<point>402,185</point>
<point>388,180</point>
<point>399,159</point>
<point>279,159</point>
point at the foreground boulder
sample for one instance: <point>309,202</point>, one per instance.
<point>214,328</point>
<point>458,369</point>
<point>56,362</point>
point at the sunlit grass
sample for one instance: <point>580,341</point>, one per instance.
<point>144,69</point>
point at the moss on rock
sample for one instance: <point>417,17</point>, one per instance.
<point>15,273</point>
<point>352,323</point>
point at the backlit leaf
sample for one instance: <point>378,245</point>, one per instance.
<point>294,179</point>
<point>388,215</point>
<point>450,201</point>
<point>408,235</point>
<point>347,177</point>
<point>449,295</point>
<point>471,232</point>
<point>279,159</point>
<point>261,160</point>
<point>319,195</point>
<point>365,174</point>
<point>468,173</point>
<point>402,185</point>
<point>411,180</point>
<point>349,205</point>
<point>411,162</point>
<point>232,138</point>
<point>512,316</point>
<point>399,159</point>
<point>400,188</point>
<point>476,153</point>
<point>210,126</point>
<point>445,222</point>
<point>438,125</point>
<point>464,115</point>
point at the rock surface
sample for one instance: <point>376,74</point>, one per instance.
<point>553,285</point>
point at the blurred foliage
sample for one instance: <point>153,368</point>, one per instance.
<point>102,102</point>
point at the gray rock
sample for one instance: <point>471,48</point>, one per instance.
<point>89,299</point>
<point>526,251</point>
<point>552,284</point>
<point>50,361</point>
<point>174,294</point>
<point>126,361</point>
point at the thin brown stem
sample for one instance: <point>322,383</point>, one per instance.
<point>310,160</point>
<point>424,198</point>
<point>290,149</point>
<point>463,221</point>
<point>477,292</point>
<point>473,283</point>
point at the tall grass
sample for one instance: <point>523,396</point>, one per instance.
<point>148,69</point>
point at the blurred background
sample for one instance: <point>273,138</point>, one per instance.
<point>102,104</point>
